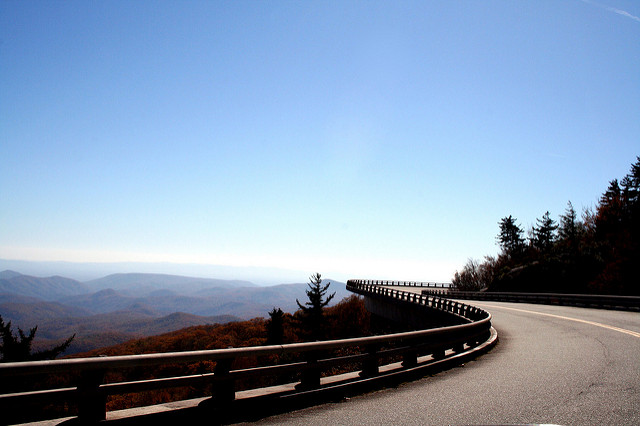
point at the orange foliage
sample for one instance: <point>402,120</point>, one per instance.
<point>348,318</point>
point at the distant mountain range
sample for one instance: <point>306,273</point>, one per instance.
<point>144,284</point>
<point>120,307</point>
<point>50,288</point>
<point>85,271</point>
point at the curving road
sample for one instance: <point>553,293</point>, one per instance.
<point>553,364</point>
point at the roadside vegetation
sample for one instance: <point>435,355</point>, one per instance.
<point>18,347</point>
<point>348,318</point>
<point>595,253</point>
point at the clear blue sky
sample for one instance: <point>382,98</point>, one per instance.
<point>366,139</point>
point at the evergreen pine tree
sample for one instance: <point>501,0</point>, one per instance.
<point>568,227</point>
<point>312,311</point>
<point>510,238</point>
<point>275,327</point>
<point>18,348</point>
<point>610,212</point>
<point>544,233</point>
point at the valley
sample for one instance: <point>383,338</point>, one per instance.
<point>120,307</point>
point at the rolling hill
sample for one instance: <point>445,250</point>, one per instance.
<point>139,305</point>
<point>48,288</point>
<point>117,327</point>
<point>136,284</point>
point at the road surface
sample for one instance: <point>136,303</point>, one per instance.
<point>552,365</point>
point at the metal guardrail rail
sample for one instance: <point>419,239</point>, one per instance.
<point>602,301</point>
<point>91,391</point>
<point>404,283</point>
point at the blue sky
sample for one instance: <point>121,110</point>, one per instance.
<point>361,139</point>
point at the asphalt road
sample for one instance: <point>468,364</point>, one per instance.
<point>552,365</point>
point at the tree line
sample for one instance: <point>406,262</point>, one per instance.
<point>596,253</point>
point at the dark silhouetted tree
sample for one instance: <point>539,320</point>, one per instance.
<point>312,311</point>
<point>631,198</point>
<point>569,226</point>
<point>544,233</point>
<point>510,238</point>
<point>610,212</point>
<point>275,327</point>
<point>599,253</point>
<point>617,235</point>
<point>18,348</point>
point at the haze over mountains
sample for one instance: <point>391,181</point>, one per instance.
<point>86,271</point>
<point>120,307</point>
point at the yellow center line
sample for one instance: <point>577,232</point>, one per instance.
<point>597,324</point>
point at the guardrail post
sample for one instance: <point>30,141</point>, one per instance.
<point>310,377</point>
<point>438,354</point>
<point>457,308</point>
<point>410,358</point>
<point>370,365</point>
<point>478,339</point>
<point>92,404</point>
<point>224,387</point>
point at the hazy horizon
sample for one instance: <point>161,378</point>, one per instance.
<point>87,271</point>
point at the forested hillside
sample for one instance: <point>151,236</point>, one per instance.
<point>598,252</point>
<point>109,329</point>
<point>50,288</point>
<point>140,305</point>
<point>348,318</point>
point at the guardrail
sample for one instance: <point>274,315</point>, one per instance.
<point>405,283</point>
<point>91,390</point>
<point>602,301</point>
